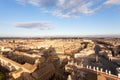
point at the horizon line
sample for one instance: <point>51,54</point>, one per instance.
<point>66,36</point>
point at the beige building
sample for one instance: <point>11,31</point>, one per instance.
<point>16,67</point>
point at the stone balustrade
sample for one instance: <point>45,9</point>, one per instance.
<point>107,73</point>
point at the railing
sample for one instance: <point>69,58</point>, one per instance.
<point>96,70</point>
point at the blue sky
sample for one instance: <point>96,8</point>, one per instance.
<point>34,18</point>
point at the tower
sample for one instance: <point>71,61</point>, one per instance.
<point>96,49</point>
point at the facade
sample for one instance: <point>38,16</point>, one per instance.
<point>16,67</point>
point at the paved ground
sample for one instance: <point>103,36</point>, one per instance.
<point>103,63</point>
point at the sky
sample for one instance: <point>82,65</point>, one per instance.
<point>36,18</point>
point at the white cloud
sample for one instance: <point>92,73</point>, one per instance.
<point>71,8</point>
<point>38,25</point>
<point>112,2</point>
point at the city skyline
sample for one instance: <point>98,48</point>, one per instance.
<point>35,18</point>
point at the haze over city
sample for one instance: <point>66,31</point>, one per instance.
<point>35,18</point>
